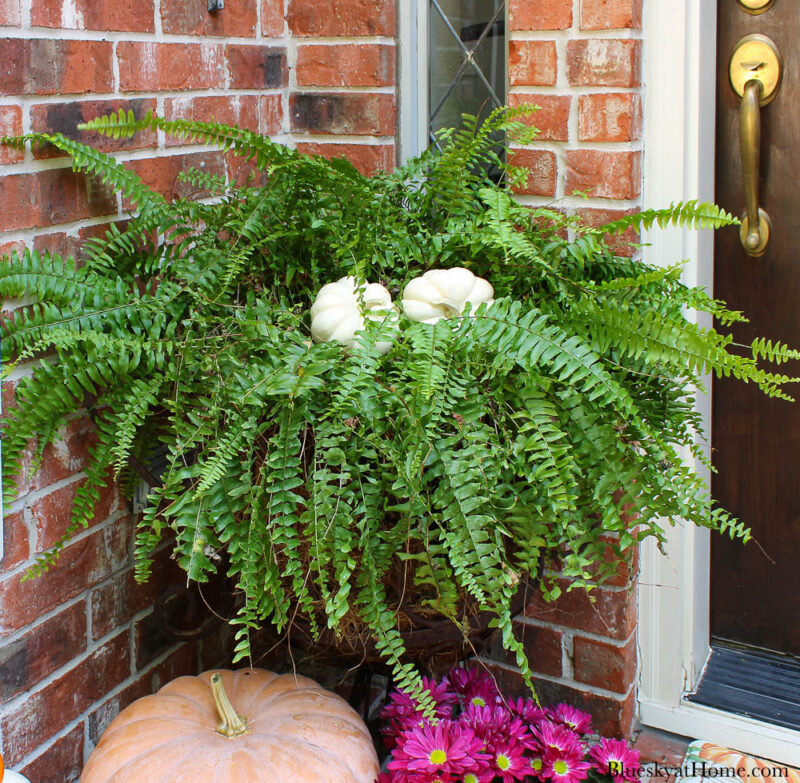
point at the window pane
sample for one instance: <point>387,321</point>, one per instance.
<point>459,83</point>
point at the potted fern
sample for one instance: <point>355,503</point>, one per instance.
<point>429,466</point>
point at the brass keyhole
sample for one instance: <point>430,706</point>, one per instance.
<point>756,6</point>
<point>756,57</point>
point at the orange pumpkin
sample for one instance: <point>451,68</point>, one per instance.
<point>246,726</point>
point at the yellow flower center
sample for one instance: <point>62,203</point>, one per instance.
<point>536,764</point>
<point>479,702</point>
<point>437,756</point>
<point>503,762</point>
<point>470,778</point>
<point>561,767</point>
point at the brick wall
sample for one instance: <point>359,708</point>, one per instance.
<point>81,642</point>
<point>580,62</point>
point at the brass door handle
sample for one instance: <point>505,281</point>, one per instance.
<point>756,225</point>
<point>755,73</point>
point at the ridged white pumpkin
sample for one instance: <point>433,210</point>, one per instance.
<point>337,312</point>
<point>443,293</point>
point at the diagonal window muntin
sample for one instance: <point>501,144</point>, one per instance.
<point>467,61</point>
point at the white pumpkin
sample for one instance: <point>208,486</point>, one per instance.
<point>443,293</point>
<point>337,311</point>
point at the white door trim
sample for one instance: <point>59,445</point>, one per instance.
<point>680,84</point>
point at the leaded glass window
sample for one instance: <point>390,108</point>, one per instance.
<point>467,60</point>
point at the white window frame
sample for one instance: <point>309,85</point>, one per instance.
<point>413,63</point>
<point>680,84</point>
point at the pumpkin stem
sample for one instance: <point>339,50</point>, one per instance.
<point>231,724</point>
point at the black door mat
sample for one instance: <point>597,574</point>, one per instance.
<point>756,684</point>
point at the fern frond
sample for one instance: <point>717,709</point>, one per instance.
<point>47,277</point>
<point>691,214</point>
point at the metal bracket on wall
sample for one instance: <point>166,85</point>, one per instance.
<point>216,5</point>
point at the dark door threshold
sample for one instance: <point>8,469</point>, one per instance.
<point>758,685</point>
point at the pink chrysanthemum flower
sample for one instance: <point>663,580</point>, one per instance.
<point>473,686</point>
<point>527,709</point>
<point>572,718</point>
<point>485,719</point>
<point>485,775</point>
<point>403,711</point>
<point>558,738</point>
<point>536,761</point>
<point>614,757</point>
<point>446,749</point>
<point>565,767</point>
<point>509,762</point>
<point>496,726</point>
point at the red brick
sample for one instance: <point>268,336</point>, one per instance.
<point>61,762</point>
<point>366,158</point>
<point>10,125</point>
<point>542,168</point>
<point>47,647</point>
<point>352,113</point>
<point>39,716</point>
<point>54,67</point>
<point>610,14</point>
<point>90,15</point>
<point>147,67</point>
<point>243,171</point>
<point>542,646</point>
<point>611,614</point>
<point>621,245</point>
<point>160,174</point>
<point>9,387</point>
<point>81,564</point>
<point>66,456</point>
<point>661,747</point>
<point>551,117</point>
<point>610,117</point>
<point>272,23</point>
<point>65,117</point>
<point>256,67</point>
<point>6,249</point>
<point>604,174</point>
<point>10,14</point>
<point>54,196</point>
<point>115,603</point>
<point>51,514</point>
<point>611,716</point>
<point>16,546</point>
<point>532,63</point>
<point>604,62</point>
<point>604,665</point>
<point>341,17</point>
<point>346,65</point>
<point>626,569</point>
<point>67,245</point>
<point>237,19</point>
<point>239,110</point>
<point>270,114</point>
<point>552,15</point>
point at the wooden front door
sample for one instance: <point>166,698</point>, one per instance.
<point>755,589</point>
